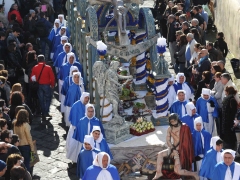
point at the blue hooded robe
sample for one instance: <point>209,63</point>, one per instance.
<point>65,70</point>
<point>57,52</point>
<point>201,106</point>
<point>197,142</point>
<point>208,163</point>
<point>93,171</point>
<point>85,159</point>
<point>220,171</point>
<point>82,128</point>
<point>189,120</point>
<point>67,82</point>
<point>76,113</point>
<point>177,108</point>
<point>74,93</point>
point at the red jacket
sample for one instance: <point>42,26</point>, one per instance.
<point>47,76</point>
<point>19,18</point>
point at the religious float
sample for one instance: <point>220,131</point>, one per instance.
<point>125,73</point>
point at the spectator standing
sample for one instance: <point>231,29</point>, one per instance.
<point>204,64</point>
<point>14,10</point>
<point>220,44</point>
<point>173,27</point>
<point>214,54</point>
<point>222,66</point>
<point>14,37</point>
<point>189,48</point>
<point>46,84</point>
<point>43,27</point>
<point>22,129</point>
<point>198,16</point>
<point>229,110</point>
<point>180,55</point>
<point>206,77</point>
<point>214,70</point>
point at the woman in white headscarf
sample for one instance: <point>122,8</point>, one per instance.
<point>54,30</point>
<point>86,156</point>
<point>74,93</point>
<point>101,169</point>
<point>201,141</point>
<point>99,141</point>
<point>64,88</point>
<point>228,169</point>
<point>77,112</point>
<point>212,157</point>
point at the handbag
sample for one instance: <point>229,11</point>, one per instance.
<point>34,156</point>
<point>35,85</point>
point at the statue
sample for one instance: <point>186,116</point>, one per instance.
<point>120,12</point>
<point>108,78</point>
<point>180,147</point>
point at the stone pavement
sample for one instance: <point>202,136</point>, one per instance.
<point>51,142</point>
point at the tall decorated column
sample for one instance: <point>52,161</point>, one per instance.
<point>161,75</point>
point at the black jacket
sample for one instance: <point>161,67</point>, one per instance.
<point>173,27</point>
<point>222,46</point>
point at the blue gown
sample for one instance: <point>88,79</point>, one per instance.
<point>93,171</point>
<point>220,171</point>
<point>57,52</point>
<point>104,147</point>
<point>52,34</point>
<point>73,95</point>
<point>197,142</point>
<point>62,58</point>
<point>189,120</point>
<point>67,82</point>
<point>85,159</point>
<point>208,163</point>
<point>178,86</point>
<point>82,128</point>
<point>55,42</point>
<point>65,70</point>
<point>201,106</point>
<point>175,108</point>
<point>76,113</point>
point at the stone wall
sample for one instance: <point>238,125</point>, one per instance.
<point>227,20</point>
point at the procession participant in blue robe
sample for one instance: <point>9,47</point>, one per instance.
<point>57,40</point>
<point>64,39</point>
<point>86,156</point>
<point>65,69</point>
<point>190,116</point>
<point>228,169</point>
<point>77,112</point>
<point>63,22</point>
<point>99,141</point>
<point>211,158</point>
<point>54,30</point>
<point>207,108</point>
<point>201,141</point>
<point>179,105</point>
<point>85,125</point>
<point>62,57</point>
<point>67,82</point>
<point>180,85</point>
<point>74,93</point>
<point>101,169</point>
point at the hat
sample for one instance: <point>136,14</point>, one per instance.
<point>181,91</point>
<point>31,11</point>
<point>189,107</point>
<point>232,152</point>
<point>198,120</point>
<point>64,38</point>
<point>214,141</point>
<point>206,91</point>
<point>2,165</point>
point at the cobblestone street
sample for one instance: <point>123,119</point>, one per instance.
<point>51,143</point>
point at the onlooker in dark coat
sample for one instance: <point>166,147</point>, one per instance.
<point>229,110</point>
<point>214,54</point>
<point>206,77</point>
<point>203,65</point>
<point>180,55</point>
<point>221,44</point>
